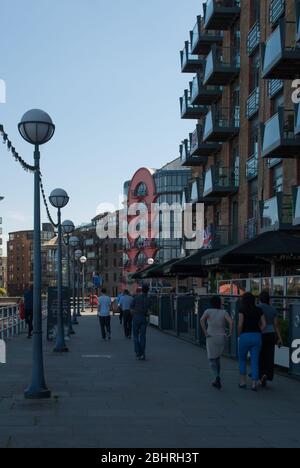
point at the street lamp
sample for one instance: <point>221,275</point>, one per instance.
<point>59,199</point>
<point>78,255</point>
<point>83,261</point>
<point>37,128</point>
<point>74,242</point>
<point>68,229</point>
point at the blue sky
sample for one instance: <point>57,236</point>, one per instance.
<point>108,72</point>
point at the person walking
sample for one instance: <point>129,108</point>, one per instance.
<point>125,305</point>
<point>213,323</point>
<point>120,295</point>
<point>140,308</point>
<point>28,306</point>
<point>104,308</point>
<point>270,337</point>
<point>251,324</point>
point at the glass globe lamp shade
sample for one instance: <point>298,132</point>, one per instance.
<point>68,227</point>
<point>36,127</point>
<point>59,198</point>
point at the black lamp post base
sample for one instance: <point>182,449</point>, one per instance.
<point>37,393</point>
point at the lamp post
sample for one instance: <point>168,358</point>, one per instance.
<point>151,262</point>
<point>68,229</point>
<point>37,128</point>
<point>78,255</point>
<point>59,199</point>
<point>83,261</point>
<point>74,242</point>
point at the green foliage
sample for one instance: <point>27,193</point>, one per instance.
<point>2,292</point>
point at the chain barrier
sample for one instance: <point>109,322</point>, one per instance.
<point>27,167</point>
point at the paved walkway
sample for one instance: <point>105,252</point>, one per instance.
<point>104,398</point>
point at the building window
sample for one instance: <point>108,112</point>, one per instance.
<point>253,199</point>
<point>255,72</point>
<point>277,179</point>
<point>141,190</point>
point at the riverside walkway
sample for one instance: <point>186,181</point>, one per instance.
<point>103,398</point>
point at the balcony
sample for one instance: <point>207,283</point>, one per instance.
<point>252,167</point>
<point>191,111</point>
<point>275,87</point>
<point>204,95</point>
<point>277,10</point>
<point>277,213</point>
<point>201,148</point>
<point>253,103</point>
<point>190,63</point>
<point>221,124</point>
<point>202,39</point>
<point>220,14</point>
<point>196,191</point>
<point>253,39</point>
<point>280,55</point>
<point>222,66</point>
<point>279,139</point>
<point>187,160</point>
<point>220,182</point>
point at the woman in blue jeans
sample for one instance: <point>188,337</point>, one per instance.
<point>251,324</point>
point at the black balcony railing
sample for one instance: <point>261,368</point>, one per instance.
<point>280,55</point>
<point>221,124</point>
<point>190,63</point>
<point>187,158</point>
<point>253,38</point>
<point>277,10</point>
<point>199,147</point>
<point>275,87</point>
<point>222,66</point>
<point>221,182</point>
<point>252,167</point>
<point>279,136</point>
<point>189,110</point>
<point>202,39</point>
<point>220,14</point>
<point>204,95</point>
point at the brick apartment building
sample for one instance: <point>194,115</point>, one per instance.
<point>244,148</point>
<point>2,260</point>
<point>104,256</point>
<point>20,259</point>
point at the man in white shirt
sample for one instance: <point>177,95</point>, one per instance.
<point>104,314</point>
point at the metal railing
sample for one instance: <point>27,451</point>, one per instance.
<point>253,38</point>
<point>11,323</point>
<point>253,103</point>
<point>274,87</point>
<point>277,9</point>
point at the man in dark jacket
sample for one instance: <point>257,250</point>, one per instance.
<point>28,304</point>
<point>140,309</point>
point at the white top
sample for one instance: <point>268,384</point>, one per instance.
<point>216,320</point>
<point>104,306</point>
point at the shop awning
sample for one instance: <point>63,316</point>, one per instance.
<point>154,271</point>
<point>190,266</point>
<point>272,246</point>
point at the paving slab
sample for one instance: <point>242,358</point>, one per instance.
<point>103,398</point>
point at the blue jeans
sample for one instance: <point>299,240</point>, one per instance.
<point>250,342</point>
<point>139,334</point>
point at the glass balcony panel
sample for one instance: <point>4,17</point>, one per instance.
<point>220,14</point>
<point>273,51</point>
<point>296,220</point>
<point>194,192</point>
<point>270,216</point>
<point>271,134</point>
<point>190,63</point>
<point>209,66</point>
<point>208,184</point>
<point>297,123</point>
<point>208,127</point>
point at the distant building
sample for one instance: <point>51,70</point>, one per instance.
<point>104,256</point>
<point>3,272</point>
<point>20,258</point>
<point>150,186</point>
